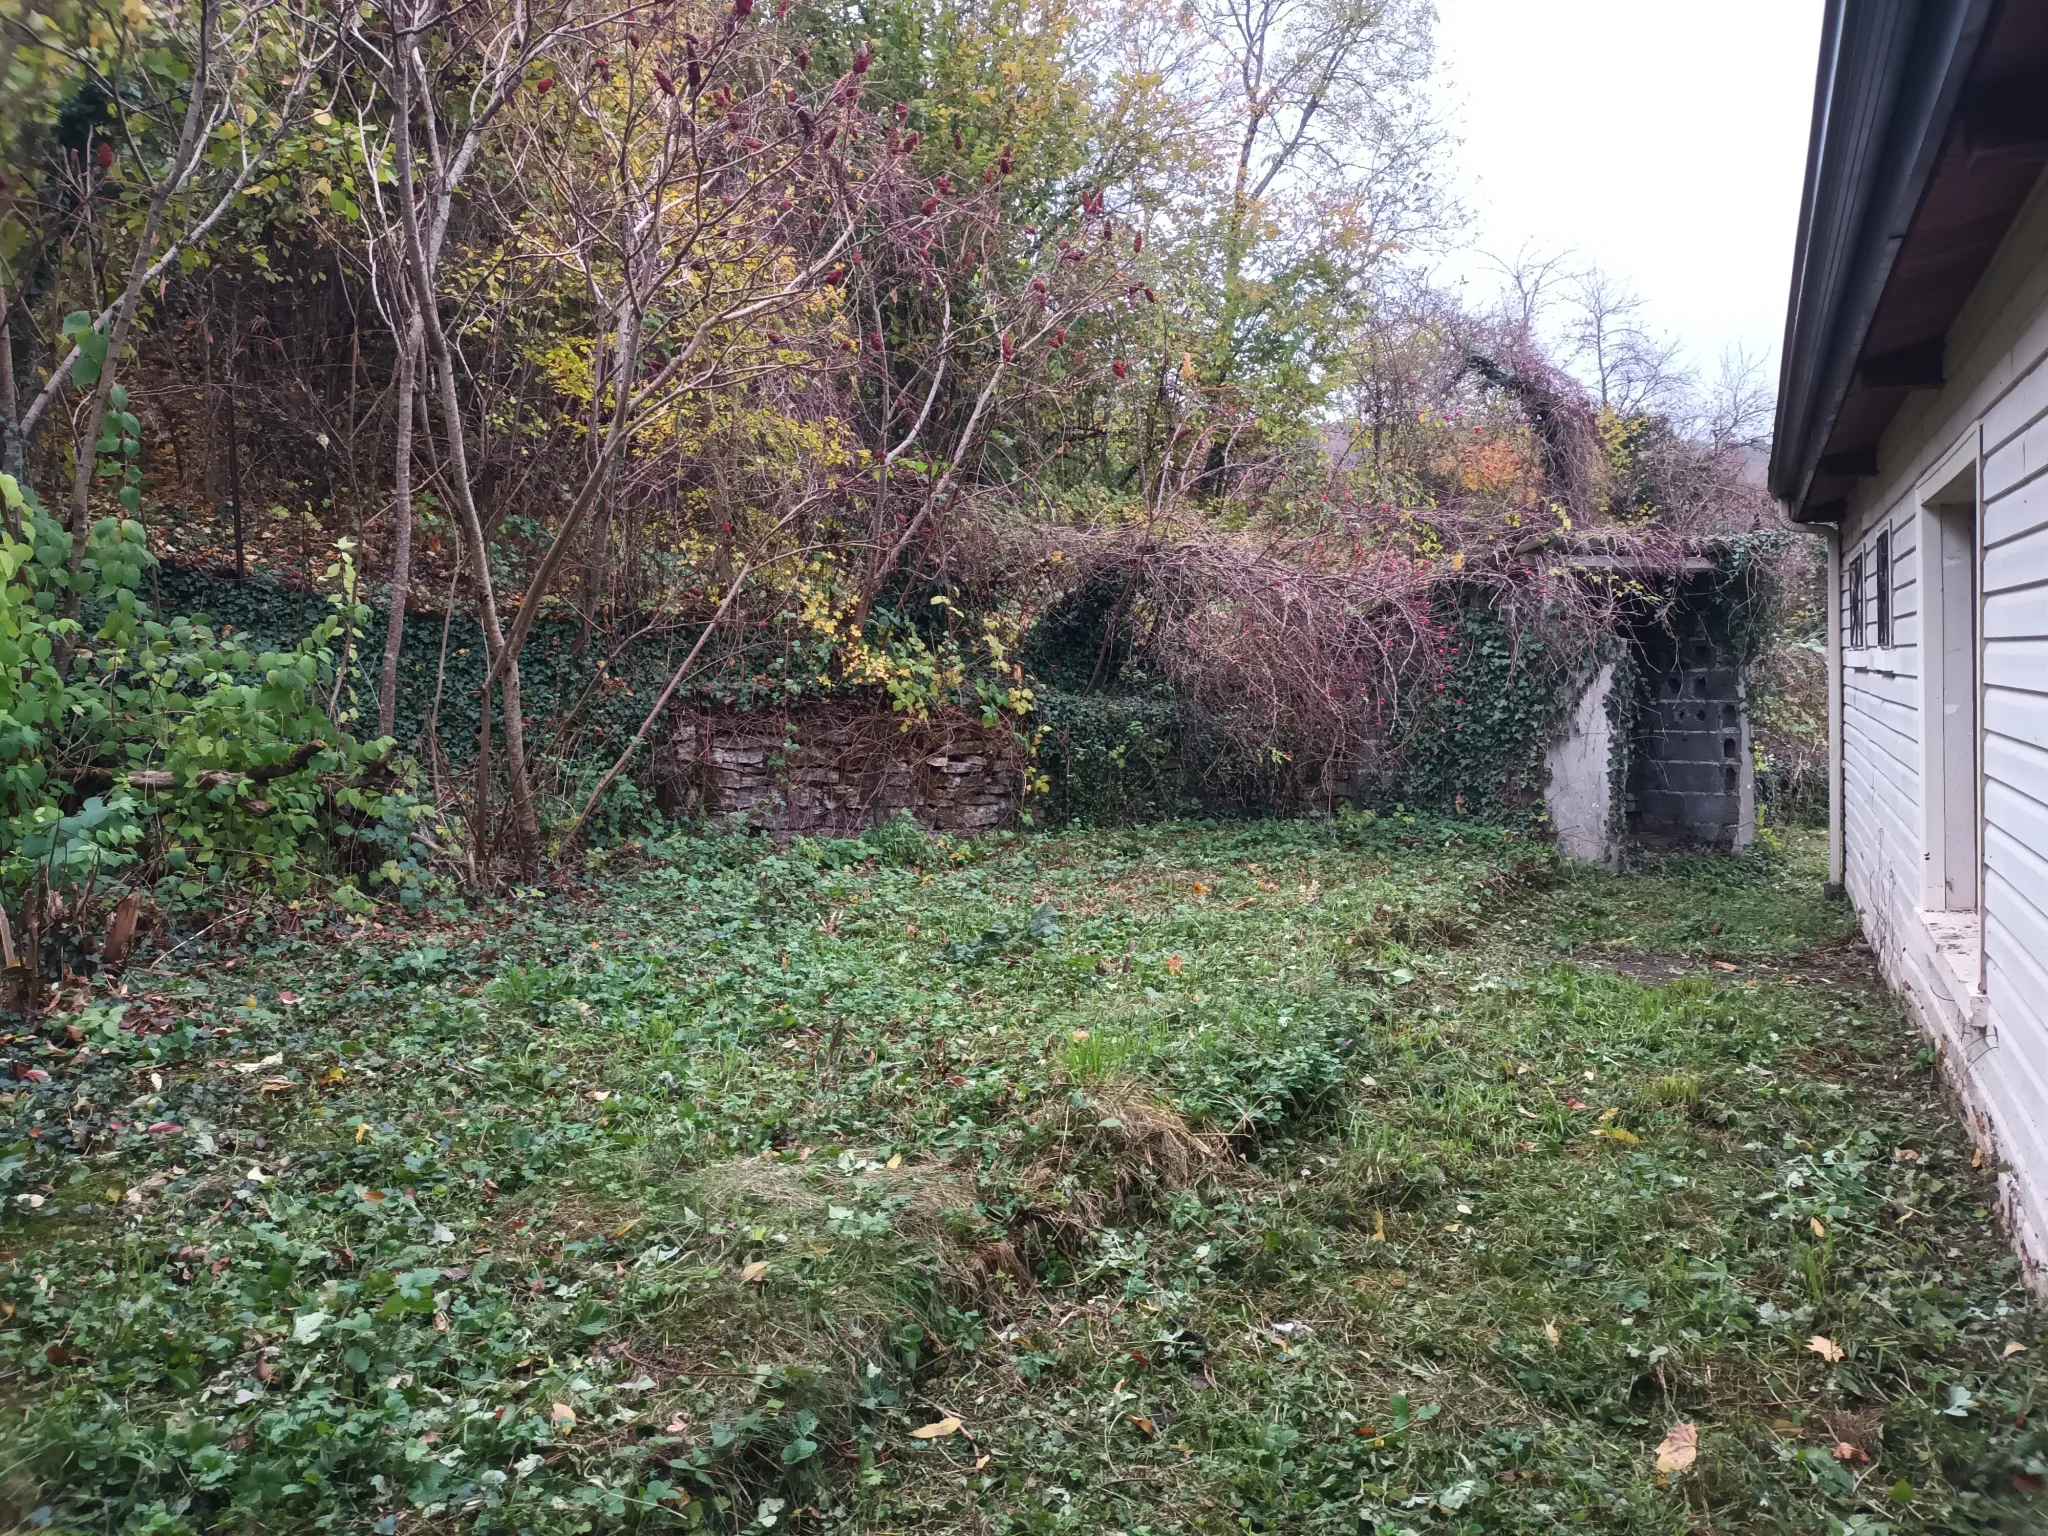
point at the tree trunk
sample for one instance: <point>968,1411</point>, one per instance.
<point>235,465</point>
<point>526,825</point>
<point>401,537</point>
<point>10,436</point>
<point>95,406</point>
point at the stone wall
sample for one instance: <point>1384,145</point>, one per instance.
<point>835,770</point>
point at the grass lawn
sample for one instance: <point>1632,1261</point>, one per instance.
<point>1289,1177</point>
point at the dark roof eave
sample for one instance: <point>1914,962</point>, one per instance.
<point>1891,74</point>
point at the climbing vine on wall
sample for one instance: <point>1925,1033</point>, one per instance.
<point>1479,745</point>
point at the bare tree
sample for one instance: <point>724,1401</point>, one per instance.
<point>1630,369</point>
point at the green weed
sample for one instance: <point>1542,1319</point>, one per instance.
<point>1307,1177</point>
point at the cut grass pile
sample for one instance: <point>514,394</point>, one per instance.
<point>1292,1177</point>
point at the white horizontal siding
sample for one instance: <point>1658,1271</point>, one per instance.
<point>1997,396</point>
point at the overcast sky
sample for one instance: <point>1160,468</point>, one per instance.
<point>1663,139</point>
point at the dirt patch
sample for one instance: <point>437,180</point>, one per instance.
<point>1652,970</point>
<point>1848,963</point>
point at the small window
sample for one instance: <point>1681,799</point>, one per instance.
<point>1884,588</point>
<point>1854,583</point>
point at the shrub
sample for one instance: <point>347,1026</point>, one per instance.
<point>148,750</point>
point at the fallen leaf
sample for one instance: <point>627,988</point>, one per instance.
<point>1143,1425</point>
<point>1574,1104</point>
<point>626,1226</point>
<point>1379,1226</point>
<point>1080,1035</point>
<point>247,1067</point>
<point>332,1075</point>
<point>1977,1158</point>
<point>1608,1114</point>
<point>1617,1133</point>
<point>1818,1229</point>
<point>1906,1155</point>
<point>1723,965</point>
<point>939,1431</point>
<point>755,1273</point>
<point>1173,964</point>
<point>288,998</point>
<point>2029,1482</point>
<point>1844,1451</point>
<point>2014,1347</point>
<point>563,1417</point>
<point>1550,1332</point>
<point>275,1085</point>
<point>1680,1449</point>
<point>1825,1347</point>
<point>895,1160</point>
<point>362,1130</point>
<point>981,1463</point>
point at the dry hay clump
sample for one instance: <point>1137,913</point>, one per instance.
<point>1110,1151</point>
<point>930,1207</point>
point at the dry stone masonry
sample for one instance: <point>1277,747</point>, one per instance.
<point>835,771</point>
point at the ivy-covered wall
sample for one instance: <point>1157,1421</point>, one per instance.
<point>554,678</point>
<point>1478,746</point>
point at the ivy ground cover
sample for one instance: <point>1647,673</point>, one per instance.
<point>1375,1176</point>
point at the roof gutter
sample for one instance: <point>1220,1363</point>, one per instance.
<point>1891,74</point>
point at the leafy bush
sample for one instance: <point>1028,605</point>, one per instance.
<point>151,750</point>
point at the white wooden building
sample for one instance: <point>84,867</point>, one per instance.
<point>1913,428</point>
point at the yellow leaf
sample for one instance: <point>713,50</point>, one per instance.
<point>1143,1425</point>
<point>1845,1451</point>
<point>362,1130</point>
<point>1379,1226</point>
<point>1977,1158</point>
<point>1825,1347</point>
<point>895,1161</point>
<point>563,1417</point>
<point>755,1273</point>
<point>626,1226</point>
<point>1550,1332</point>
<point>1618,1133</point>
<point>1818,1229</point>
<point>2015,1347</point>
<point>1680,1449</point>
<point>1173,964</point>
<point>939,1431</point>
<point>1608,1114</point>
